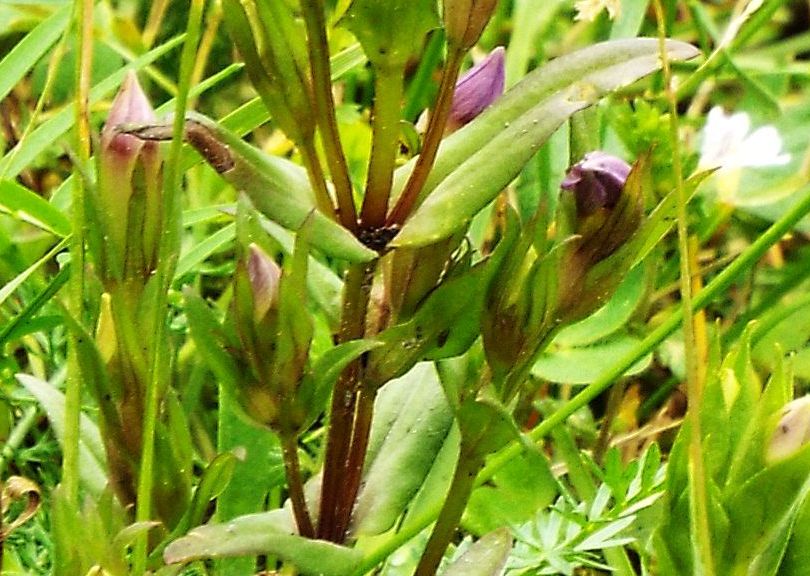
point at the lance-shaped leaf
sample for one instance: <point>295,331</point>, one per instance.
<point>391,32</point>
<point>278,188</point>
<point>412,421</point>
<point>264,533</point>
<point>478,161</point>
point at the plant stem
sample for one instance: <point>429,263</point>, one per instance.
<point>70,463</point>
<point>344,400</point>
<point>313,12</point>
<point>385,125</point>
<point>459,493</point>
<point>433,137</point>
<point>701,542</point>
<point>364,413</point>
<point>167,260</point>
<point>289,448</point>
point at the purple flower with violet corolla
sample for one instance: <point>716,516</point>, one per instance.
<point>597,181</point>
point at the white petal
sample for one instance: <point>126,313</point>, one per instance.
<point>763,148</point>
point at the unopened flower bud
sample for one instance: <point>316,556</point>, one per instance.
<point>128,202</point>
<point>608,213</point>
<point>597,181</point>
<point>465,20</point>
<point>264,275</point>
<point>478,88</point>
<point>792,432</point>
<point>130,106</point>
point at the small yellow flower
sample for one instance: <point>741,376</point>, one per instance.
<point>590,9</point>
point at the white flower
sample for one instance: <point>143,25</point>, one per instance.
<point>590,9</point>
<point>728,145</point>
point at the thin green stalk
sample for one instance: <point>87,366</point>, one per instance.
<point>719,57</point>
<point>16,437</point>
<point>313,12</point>
<point>342,412</point>
<point>163,275</point>
<point>699,500</point>
<point>468,466</point>
<point>385,125</point>
<point>295,484</point>
<point>70,462</point>
<point>719,285</point>
<point>433,137</point>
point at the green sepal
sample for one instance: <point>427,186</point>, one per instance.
<point>209,337</point>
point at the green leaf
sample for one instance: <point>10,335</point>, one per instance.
<point>264,533</point>
<point>513,496</point>
<point>202,250</point>
<point>25,54</point>
<point>22,203</point>
<point>402,449</point>
<point>582,365</point>
<point>391,31</point>
<point>92,459</point>
<point>610,317</point>
<point>480,160</point>
<point>278,188</point>
<point>487,557</point>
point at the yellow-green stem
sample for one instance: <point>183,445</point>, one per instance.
<point>701,537</point>
<point>317,178</point>
<point>385,124</point>
<point>433,137</point>
<point>70,463</point>
<point>313,12</point>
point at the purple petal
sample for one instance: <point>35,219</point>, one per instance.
<point>477,89</point>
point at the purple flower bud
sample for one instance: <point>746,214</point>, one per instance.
<point>264,275</point>
<point>130,106</point>
<point>597,181</point>
<point>479,87</point>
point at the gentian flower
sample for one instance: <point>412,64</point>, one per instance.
<point>596,181</point>
<point>479,87</point>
